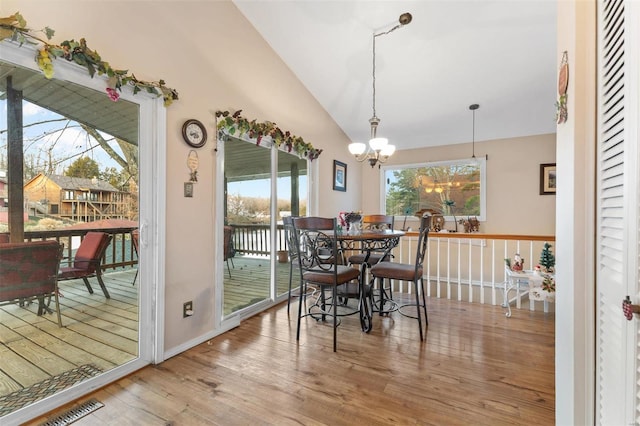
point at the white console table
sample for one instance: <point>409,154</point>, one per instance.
<point>522,282</point>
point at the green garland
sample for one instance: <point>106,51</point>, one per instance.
<point>232,123</point>
<point>14,27</point>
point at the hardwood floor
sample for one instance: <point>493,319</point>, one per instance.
<point>475,367</point>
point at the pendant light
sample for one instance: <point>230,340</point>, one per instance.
<point>379,149</point>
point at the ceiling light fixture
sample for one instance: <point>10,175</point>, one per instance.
<point>379,149</point>
<point>473,108</point>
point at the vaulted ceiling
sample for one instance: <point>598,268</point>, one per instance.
<point>499,54</point>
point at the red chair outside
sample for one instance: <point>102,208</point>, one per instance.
<point>135,239</point>
<point>28,271</point>
<point>86,262</point>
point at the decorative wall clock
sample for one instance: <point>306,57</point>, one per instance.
<point>194,133</point>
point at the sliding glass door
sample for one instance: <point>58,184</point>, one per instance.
<point>261,185</point>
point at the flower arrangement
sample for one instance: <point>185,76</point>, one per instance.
<point>232,123</point>
<point>346,219</point>
<point>14,28</point>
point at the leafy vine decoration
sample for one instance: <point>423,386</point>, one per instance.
<point>234,122</point>
<point>15,28</point>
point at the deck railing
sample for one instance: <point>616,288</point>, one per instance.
<point>464,267</point>
<point>119,255</point>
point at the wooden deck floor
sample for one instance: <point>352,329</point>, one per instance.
<point>96,332</point>
<point>249,281</point>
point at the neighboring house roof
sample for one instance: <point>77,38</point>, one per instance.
<point>68,182</point>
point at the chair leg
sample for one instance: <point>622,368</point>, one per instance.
<point>135,278</point>
<point>86,283</point>
<point>335,316</point>
<point>290,280</point>
<point>415,286</point>
<point>424,302</point>
<point>58,309</point>
<point>303,287</point>
<point>104,288</point>
<point>229,269</point>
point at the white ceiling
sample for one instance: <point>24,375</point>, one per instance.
<point>499,54</point>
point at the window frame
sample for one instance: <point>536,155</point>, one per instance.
<point>482,165</point>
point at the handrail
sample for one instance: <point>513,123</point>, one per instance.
<point>119,254</point>
<point>480,236</point>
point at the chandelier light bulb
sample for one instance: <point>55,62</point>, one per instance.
<point>378,144</point>
<point>387,150</point>
<point>357,148</point>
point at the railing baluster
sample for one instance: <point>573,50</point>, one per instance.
<point>459,270</point>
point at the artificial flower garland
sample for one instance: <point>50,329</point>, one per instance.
<point>232,123</point>
<point>14,27</point>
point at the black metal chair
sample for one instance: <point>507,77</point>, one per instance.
<point>366,259</point>
<point>318,259</point>
<point>373,222</point>
<point>409,272</point>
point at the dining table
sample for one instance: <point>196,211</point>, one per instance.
<point>367,241</point>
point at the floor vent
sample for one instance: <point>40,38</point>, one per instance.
<point>74,414</point>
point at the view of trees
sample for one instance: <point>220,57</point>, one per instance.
<point>255,210</point>
<point>449,189</point>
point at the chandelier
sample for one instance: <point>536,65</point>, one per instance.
<point>379,149</point>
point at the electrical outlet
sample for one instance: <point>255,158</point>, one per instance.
<point>187,309</point>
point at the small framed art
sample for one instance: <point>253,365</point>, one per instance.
<point>547,178</point>
<point>339,176</point>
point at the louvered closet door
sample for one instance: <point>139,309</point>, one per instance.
<point>617,212</point>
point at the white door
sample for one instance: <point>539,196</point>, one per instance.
<point>618,213</point>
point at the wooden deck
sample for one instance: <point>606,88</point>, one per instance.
<point>96,332</point>
<point>249,282</point>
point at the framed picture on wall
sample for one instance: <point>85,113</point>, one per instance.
<point>339,176</point>
<point>547,178</point>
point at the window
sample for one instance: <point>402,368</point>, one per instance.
<point>451,188</point>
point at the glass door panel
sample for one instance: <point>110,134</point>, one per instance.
<point>80,156</point>
<point>247,180</point>
<point>292,201</point>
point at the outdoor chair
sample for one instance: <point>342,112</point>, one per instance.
<point>229,251</point>
<point>318,260</point>
<point>408,272</point>
<point>86,262</point>
<point>135,240</point>
<point>28,271</point>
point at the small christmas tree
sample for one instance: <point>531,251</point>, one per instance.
<point>547,259</point>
